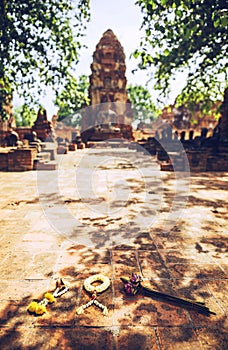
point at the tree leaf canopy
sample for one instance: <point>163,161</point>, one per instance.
<point>39,43</point>
<point>186,36</point>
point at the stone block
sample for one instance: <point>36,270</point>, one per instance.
<point>62,149</point>
<point>4,161</point>
<point>166,167</point>
<point>52,165</point>
<point>21,159</point>
<point>137,338</point>
<point>51,151</point>
<point>72,147</point>
<point>218,162</point>
<point>80,145</point>
<point>197,160</point>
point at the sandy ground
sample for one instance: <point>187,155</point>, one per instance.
<point>111,211</point>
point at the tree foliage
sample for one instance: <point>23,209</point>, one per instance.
<point>39,43</point>
<point>25,115</point>
<point>142,103</point>
<point>184,35</point>
<point>73,98</point>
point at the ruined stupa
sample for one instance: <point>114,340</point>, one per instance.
<point>42,126</point>
<point>108,81</point>
<point>107,91</point>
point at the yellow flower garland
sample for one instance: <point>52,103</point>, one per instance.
<point>39,308</point>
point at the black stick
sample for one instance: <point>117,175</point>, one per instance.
<point>196,305</point>
<point>180,301</point>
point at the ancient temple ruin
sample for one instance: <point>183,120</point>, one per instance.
<point>110,106</point>
<point>42,126</point>
<point>198,154</point>
<point>108,81</point>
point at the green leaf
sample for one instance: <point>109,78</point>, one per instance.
<point>136,54</point>
<point>178,13</point>
<point>38,41</point>
<point>188,36</point>
<point>217,22</point>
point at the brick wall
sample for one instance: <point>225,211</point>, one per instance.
<point>3,161</point>
<point>21,159</point>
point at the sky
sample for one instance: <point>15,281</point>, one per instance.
<point>124,18</point>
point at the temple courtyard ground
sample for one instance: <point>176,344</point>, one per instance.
<point>111,211</point>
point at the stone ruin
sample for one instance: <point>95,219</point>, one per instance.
<point>201,153</point>
<point>24,148</point>
<point>109,117</point>
<point>110,114</point>
<point>43,127</point>
<point>181,118</point>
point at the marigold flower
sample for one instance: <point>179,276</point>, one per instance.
<point>40,309</point>
<point>32,306</point>
<point>49,297</point>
